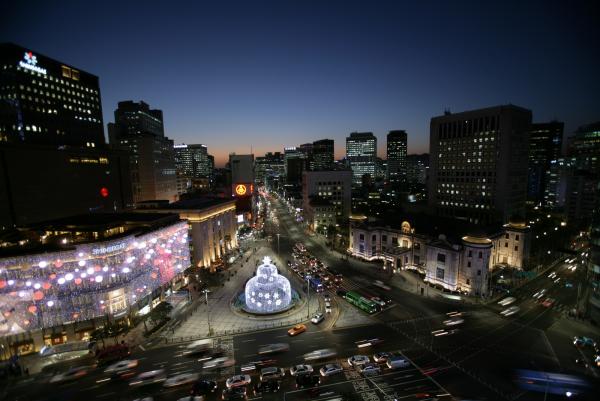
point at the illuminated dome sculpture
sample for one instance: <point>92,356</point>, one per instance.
<point>267,292</point>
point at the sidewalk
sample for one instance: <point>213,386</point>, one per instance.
<point>224,321</point>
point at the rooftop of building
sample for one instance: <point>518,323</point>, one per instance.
<point>63,233</point>
<point>451,230</point>
<point>486,110</point>
<point>185,204</point>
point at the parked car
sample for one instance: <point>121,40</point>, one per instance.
<point>270,386</point>
<point>234,393</point>
<point>381,357</point>
<point>238,380</point>
<point>297,329</point>
<point>397,362</point>
<point>306,381</point>
<point>300,370</point>
<point>368,368</point>
<point>271,373</point>
<point>203,387</point>
<point>358,360</point>
<point>331,369</point>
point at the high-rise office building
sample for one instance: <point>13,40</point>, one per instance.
<point>396,157</point>
<point>242,169</point>
<point>417,167</point>
<point>593,268</point>
<point>269,165</point>
<point>54,161</point>
<point>361,154</point>
<point>583,175</point>
<point>193,161</point>
<point>47,102</point>
<point>545,144</point>
<point>322,154</point>
<point>478,166</point>
<point>140,129</point>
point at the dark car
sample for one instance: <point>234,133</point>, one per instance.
<point>341,292</point>
<point>270,386</point>
<point>234,393</point>
<point>203,387</point>
<point>306,381</point>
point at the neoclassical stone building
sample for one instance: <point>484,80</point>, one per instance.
<point>451,254</point>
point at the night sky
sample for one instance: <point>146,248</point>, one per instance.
<point>273,74</point>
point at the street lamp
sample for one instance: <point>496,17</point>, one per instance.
<point>205,292</point>
<point>308,295</point>
<point>278,243</point>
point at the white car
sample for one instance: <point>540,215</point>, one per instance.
<point>368,368</point>
<point>218,363</point>
<point>453,322</point>
<point>330,369</point>
<point>507,301</point>
<point>300,370</point>
<point>510,311</point>
<point>273,348</point>
<point>238,380</point>
<point>381,357</point>
<point>125,364</point>
<point>320,354</point>
<point>181,379</point>
<point>552,275</point>
<point>70,375</point>
<point>318,318</point>
<point>327,307</point>
<point>358,360</point>
<point>150,377</point>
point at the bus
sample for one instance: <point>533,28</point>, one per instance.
<point>361,302</point>
<point>316,284</point>
<point>112,353</point>
<point>553,383</point>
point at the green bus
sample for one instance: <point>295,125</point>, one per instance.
<point>361,302</point>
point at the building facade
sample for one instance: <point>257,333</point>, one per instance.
<point>396,157</point>
<point>361,155</point>
<point>583,175</point>
<point>334,187</point>
<point>39,183</point>
<point>139,129</point>
<point>478,164</point>
<point>545,148</point>
<point>59,285</point>
<point>193,161</point>
<point>417,167</point>
<point>322,154</point>
<point>272,164</point>
<point>458,263</point>
<point>47,102</point>
<point>212,227</point>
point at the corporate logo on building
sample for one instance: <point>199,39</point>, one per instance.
<point>30,62</point>
<point>243,189</point>
<point>109,249</point>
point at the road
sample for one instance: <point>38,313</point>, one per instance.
<point>475,362</point>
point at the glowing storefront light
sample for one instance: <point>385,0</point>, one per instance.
<point>48,289</point>
<point>265,287</point>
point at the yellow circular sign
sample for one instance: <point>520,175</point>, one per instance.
<point>240,189</point>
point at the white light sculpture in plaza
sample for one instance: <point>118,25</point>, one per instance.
<point>267,292</point>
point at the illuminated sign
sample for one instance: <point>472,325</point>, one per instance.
<point>108,249</point>
<point>30,63</point>
<point>104,192</point>
<point>240,189</point>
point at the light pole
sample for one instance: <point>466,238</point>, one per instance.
<point>308,296</point>
<point>278,243</point>
<point>206,291</point>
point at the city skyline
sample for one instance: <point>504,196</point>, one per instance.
<point>285,75</point>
